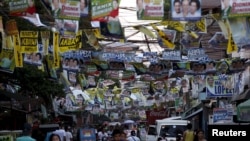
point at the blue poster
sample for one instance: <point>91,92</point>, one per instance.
<point>221,115</point>
<point>219,87</point>
<point>87,134</point>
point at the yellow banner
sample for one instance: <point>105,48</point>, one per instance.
<point>11,27</point>
<point>165,40</point>
<point>17,53</point>
<point>201,24</point>
<point>1,24</point>
<point>175,24</point>
<point>8,42</point>
<point>29,41</point>
<point>56,56</point>
<point>231,46</point>
<point>179,27</point>
<point>67,44</point>
<point>92,40</point>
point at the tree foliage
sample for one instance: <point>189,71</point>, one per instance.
<point>34,82</point>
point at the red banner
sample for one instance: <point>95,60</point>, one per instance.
<point>153,115</point>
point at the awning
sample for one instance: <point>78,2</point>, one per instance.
<point>243,111</point>
<point>243,96</point>
<point>192,111</point>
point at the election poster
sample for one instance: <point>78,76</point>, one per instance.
<point>103,10</point>
<point>189,41</point>
<point>11,27</point>
<point>73,43</point>
<point>222,115</point>
<point>17,51</point>
<point>171,34</point>
<point>218,40</point>
<point>240,30</point>
<point>67,9</point>
<point>29,41</point>
<point>219,86</point>
<point>185,10</point>
<point>150,10</point>
<point>7,60</point>
<point>235,8</point>
<point>197,26</point>
<point>56,56</point>
<point>34,58</point>
<point>67,27</point>
<point>22,7</point>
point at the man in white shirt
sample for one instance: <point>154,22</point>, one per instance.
<point>68,136</point>
<point>102,135</point>
<point>61,132</point>
<point>133,137</point>
<point>176,12</point>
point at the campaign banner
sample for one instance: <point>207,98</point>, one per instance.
<point>195,53</point>
<point>150,10</point>
<point>67,44</point>
<point>222,115</point>
<point>29,41</point>
<point>112,28</point>
<point>189,41</point>
<point>17,51</point>
<point>186,10</point>
<point>218,40</point>
<point>171,34</point>
<point>11,27</point>
<point>171,55</point>
<point>7,60</point>
<point>219,86</point>
<point>34,58</point>
<point>22,7</point>
<point>92,38</point>
<point>104,8</point>
<point>66,27</point>
<point>235,8</point>
<point>70,10</point>
<point>240,28</point>
<point>56,57</point>
<point>197,26</point>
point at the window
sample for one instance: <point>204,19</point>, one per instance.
<point>172,130</point>
<point>151,131</point>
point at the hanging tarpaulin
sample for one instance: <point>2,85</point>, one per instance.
<point>185,10</point>
<point>104,8</point>
<point>217,86</point>
<point>240,31</point>
<point>22,7</point>
<point>243,111</point>
<point>235,8</point>
<point>150,10</point>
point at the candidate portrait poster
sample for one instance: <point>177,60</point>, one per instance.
<point>186,10</point>
<point>150,10</point>
<point>218,86</point>
<point>235,8</point>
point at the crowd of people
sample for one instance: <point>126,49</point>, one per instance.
<point>109,133</point>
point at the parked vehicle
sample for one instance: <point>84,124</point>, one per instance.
<point>169,127</point>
